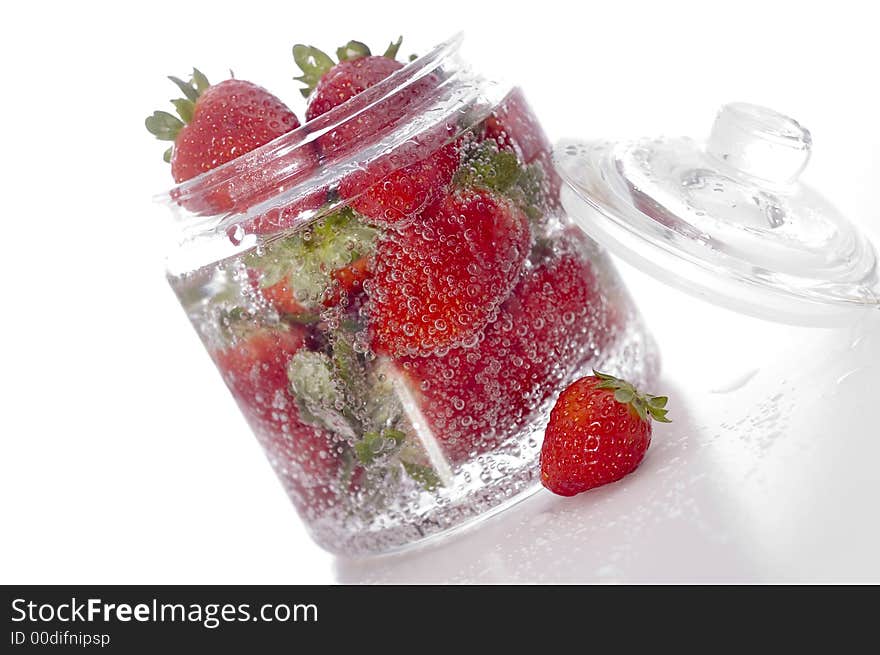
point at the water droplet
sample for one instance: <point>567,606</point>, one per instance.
<point>775,215</point>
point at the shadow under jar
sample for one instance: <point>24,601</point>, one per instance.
<point>395,298</point>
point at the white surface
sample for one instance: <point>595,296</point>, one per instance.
<point>124,459</point>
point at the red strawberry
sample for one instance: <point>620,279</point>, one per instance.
<point>282,297</point>
<point>220,123</point>
<point>330,84</point>
<point>599,431</point>
<point>395,200</point>
<point>396,185</point>
<point>269,176</point>
<point>543,336</point>
<point>346,79</point>
<point>439,283</point>
<point>255,370</point>
<point>514,126</point>
<point>228,120</point>
<point>347,281</point>
<point>325,263</point>
<point>556,317</point>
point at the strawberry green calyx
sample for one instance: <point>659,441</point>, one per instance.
<point>352,50</point>
<point>237,323</point>
<point>315,63</point>
<point>342,392</point>
<point>486,166</point>
<point>375,444</point>
<point>423,475</point>
<point>393,48</point>
<point>309,257</point>
<point>645,405</point>
<point>196,86</point>
<point>166,126</point>
<point>319,394</point>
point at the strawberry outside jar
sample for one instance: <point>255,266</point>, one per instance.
<point>395,297</point>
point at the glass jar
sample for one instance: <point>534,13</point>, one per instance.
<point>394,296</point>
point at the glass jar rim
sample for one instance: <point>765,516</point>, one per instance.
<point>296,174</point>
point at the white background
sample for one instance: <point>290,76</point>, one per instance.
<point>124,459</point>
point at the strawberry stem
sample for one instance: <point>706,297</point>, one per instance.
<point>644,404</point>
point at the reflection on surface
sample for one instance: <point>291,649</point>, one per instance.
<point>774,479</point>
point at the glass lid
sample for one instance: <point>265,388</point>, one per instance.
<point>726,220</point>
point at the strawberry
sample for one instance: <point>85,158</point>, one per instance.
<point>544,334</point>
<point>220,123</point>
<point>393,201</point>
<point>599,431</point>
<point>330,84</point>
<point>347,282</point>
<point>393,187</point>
<point>255,370</point>
<point>439,283</point>
<point>282,296</point>
<point>573,309</point>
<point>556,317</point>
<point>514,127</point>
<point>265,180</point>
<point>346,79</point>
